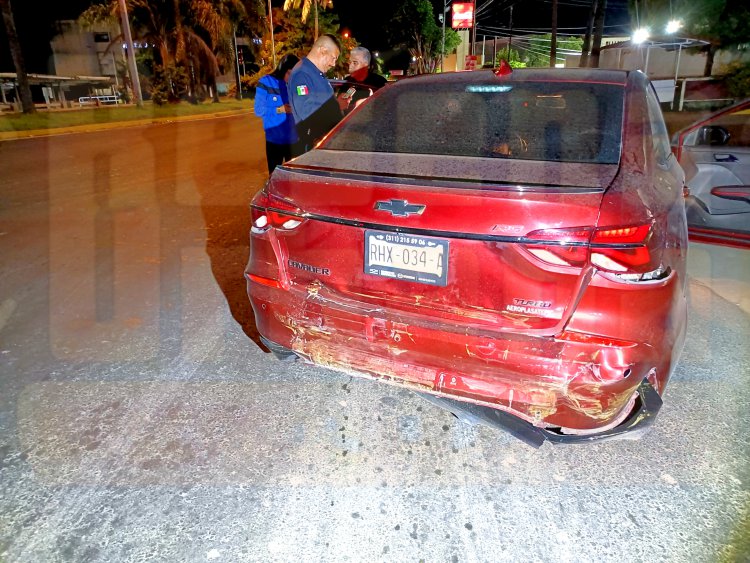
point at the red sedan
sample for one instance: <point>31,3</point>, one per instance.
<point>512,243</point>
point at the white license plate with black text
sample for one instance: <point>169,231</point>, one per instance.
<point>406,257</point>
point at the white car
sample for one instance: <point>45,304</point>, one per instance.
<point>715,154</point>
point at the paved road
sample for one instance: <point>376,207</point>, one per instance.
<point>138,419</point>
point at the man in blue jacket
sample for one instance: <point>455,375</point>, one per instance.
<point>314,105</point>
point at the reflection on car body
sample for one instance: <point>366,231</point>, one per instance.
<point>542,287</point>
<point>715,153</point>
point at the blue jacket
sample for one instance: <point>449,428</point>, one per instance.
<point>308,89</point>
<point>270,95</point>
<point>315,107</point>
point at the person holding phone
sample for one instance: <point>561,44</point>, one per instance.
<point>361,71</point>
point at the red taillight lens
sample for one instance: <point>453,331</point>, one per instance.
<point>268,211</point>
<point>563,247</point>
<point>619,249</point>
<point>622,249</point>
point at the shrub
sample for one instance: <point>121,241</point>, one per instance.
<point>737,80</point>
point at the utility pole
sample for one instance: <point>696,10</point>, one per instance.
<point>270,23</point>
<point>474,30</point>
<point>553,43</point>
<point>27,103</point>
<point>510,31</point>
<point>315,3</point>
<point>237,81</point>
<point>442,51</point>
<point>598,32</point>
<point>134,79</point>
<point>586,47</point>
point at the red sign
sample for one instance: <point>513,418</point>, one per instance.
<point>470,62</point>
<point>463,15</point>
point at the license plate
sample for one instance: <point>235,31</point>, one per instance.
<point>406,257</point>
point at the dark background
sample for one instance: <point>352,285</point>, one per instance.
<point>367,22</point>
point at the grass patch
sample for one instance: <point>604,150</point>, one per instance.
<point>106,114</point>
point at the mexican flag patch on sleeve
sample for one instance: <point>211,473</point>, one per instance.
<point>302,90</point>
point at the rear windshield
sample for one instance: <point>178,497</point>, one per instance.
<point>549,121</point>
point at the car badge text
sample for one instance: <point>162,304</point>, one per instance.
<point>309,268</point>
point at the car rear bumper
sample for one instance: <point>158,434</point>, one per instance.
<point>641,417</point>
<point>564,389</point>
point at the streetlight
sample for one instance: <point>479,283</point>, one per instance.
<point>673,26</point>
<point>641,35</point>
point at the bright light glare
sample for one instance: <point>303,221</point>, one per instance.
<point>640,35</point>
<point>673,26</point>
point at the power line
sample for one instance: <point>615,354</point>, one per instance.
<point>514,31</point>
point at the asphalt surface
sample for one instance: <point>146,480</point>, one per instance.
<point>140,421</point>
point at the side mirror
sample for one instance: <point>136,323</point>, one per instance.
<point>714,135</point>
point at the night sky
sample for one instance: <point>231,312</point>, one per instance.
<point>367,22</point>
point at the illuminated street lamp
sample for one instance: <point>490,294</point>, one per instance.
<point>640,35</point>
<point>673,26</point>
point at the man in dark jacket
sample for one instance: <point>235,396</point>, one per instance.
<point>360,69</point>
<point>311,96</point>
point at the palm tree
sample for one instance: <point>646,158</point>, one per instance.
<point>192,34</point>
<point>306,5</point>
<point>27,104</point>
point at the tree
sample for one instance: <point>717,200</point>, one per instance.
<point>192,35</point>
<point>27,103</point>
<point>414,27</point>
<point>306,6</point>
<point>738,80</point>
<point>511,56</point>
<point>538,52</point>
<point>291,36</point>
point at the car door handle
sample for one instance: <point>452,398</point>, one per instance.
<point>725,157</point>
<point>739,193</point>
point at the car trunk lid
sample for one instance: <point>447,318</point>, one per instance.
<point>435,243</point>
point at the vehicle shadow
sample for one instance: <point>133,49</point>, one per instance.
<point>226,184</point>
<point>227,246</point>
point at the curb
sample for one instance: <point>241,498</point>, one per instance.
<point>94,127</point>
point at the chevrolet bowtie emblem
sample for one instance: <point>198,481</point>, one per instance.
<point>399,207</point>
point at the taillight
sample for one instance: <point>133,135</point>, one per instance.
<point>622,249</point>
<point>268,211</point>
<point>617,249</point>
<point>563,247</point>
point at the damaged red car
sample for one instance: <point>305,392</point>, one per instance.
<point>511,244</point>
